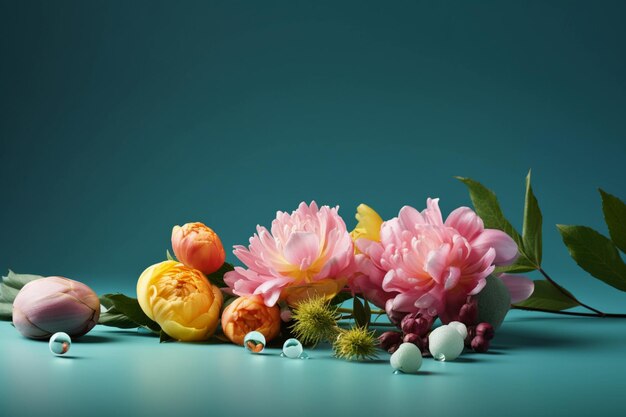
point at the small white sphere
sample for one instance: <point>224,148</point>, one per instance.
<point>60,343</point>
<point>292,348</point>
<point>445,343</point>
<point>407,358</point>
<point>460,327</point>
<point>254,342</point>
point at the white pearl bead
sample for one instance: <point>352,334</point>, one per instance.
<point>407,358</point>
<point>459,327</point>
<point>60,343</point>
<point>445,343</point>
<point>292,348</point>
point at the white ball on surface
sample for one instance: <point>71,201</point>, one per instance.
<point>459,327</point>
<point>407,358</point>
<point>445,343</point>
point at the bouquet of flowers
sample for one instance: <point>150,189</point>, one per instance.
<point>420,285</point>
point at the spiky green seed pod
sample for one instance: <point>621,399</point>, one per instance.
<point>315,320</point>
<point>357,343</point>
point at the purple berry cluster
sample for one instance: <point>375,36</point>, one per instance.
<point>479,335</point>
<point>415,328</point>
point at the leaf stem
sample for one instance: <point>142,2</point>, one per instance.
<point>376,324</point>
<point>571,313</point>
<point>570,296</point>
<point>349,310</point>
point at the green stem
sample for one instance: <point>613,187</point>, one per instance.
<point>349,310</point>
<point>598,313</point>
<point>381,325</point>
<point>571,313</point>
<point>376,324</point>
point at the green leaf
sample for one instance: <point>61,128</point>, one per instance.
<point>488,209</point>
<point>547,296</point>
<point>7,293</point>
<point>113,318</point>
<point>531,231</point>
<point>10,286</point>
<point>361,318</point>
<point>17,281</point>
<point>615,216</point>
<point>106,302</point>
<point>595,254</point>
<point>516,268</point>
<point>164,337</point>
<point>6,311</point>
<point>169,256</point>
<point>368,310</point>
<point>129,307</point>
<point>340,298</point>
<point>217,277</point>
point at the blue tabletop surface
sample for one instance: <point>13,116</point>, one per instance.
<point>119,120</point>
<point>539,365</point>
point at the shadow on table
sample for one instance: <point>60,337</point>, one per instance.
<point>93,338</point>
<point>559,332</point>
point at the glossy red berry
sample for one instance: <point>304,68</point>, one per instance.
<point>468,314</point>
<point>485,330</point>
<point>413,338</point>
<point>480,344</point>
<point>408,324</point>
<point>390,341</point>
<point>471,332</point>
<point>425,350</point>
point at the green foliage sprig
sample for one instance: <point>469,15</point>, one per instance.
<point>10,285</point>
<point>593,252</point>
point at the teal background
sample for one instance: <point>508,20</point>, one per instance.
<point>121,119</point>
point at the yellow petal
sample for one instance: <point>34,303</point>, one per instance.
<point>368,226</point>
<point>326,288</point>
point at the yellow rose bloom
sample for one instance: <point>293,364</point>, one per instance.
<point>180,299</point>
<point>368,226</point>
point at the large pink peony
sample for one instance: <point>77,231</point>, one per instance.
<point>308,252</point>
<point>422,263</point>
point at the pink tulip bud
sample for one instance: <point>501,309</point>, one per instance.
<point>55,304</point>
<point>198,247</point>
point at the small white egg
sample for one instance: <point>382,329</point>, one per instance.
<point>445,343</point>
<point>407,358</point>
<point>460,327</point>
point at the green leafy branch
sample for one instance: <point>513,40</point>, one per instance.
<point>10,285</point>
<point>592,251</point>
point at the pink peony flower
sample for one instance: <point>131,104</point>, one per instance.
<point>425,264</point>
<point>308,252</point>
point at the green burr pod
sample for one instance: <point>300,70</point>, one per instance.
<point>494,301</point>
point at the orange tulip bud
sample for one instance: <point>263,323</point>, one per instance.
<point>198,247</point>
<point>247,314</point>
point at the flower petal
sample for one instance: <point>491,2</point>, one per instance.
<point>506,248</point>
<point>432,213</point>
<point>437,261</point>
<point>466,222</point>
<point>302,249</point>
<point>519,287</point>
